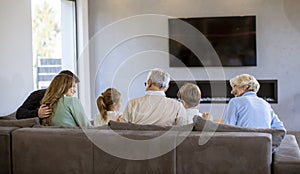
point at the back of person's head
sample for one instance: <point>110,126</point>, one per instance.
<point>190,94</point>
<point>110,100</point>
<point>58,87</point>
<point>159,78</point>
<point>245,81</point>
<point>69,73</point>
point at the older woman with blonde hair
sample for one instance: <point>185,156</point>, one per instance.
<point>247,109</point>
<point>66,109</point>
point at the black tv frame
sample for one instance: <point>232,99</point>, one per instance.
<point>232,37</point>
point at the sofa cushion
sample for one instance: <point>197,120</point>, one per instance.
<point>225,153</point>
<point>54,127</point>
<point>296,134</point>
<point>29,122</point>
<point>113,154</point>
<point>287,157</point>
<point>51,150</point>
<point>131,126</point>
<point>202,124</point>
<point>11,116</point>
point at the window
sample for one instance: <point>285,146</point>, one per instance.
<point>53,39</point>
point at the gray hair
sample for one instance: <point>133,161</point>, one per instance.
<point>190,94</point>
<point>159,78</point>
<point>245,81</point>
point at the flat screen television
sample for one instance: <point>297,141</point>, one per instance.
<point>212,41</point>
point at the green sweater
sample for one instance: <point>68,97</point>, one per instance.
<point>69,112</point>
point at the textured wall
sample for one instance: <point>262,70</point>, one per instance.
<point>15,54</point>
<point>124,44</point>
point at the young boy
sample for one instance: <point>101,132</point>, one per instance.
<point>190,95</point>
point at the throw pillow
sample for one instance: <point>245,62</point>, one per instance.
<point>103,127</point>
<point>29,122</point>
<point>55,127</point>
<point>207,125</point>
<point>131,126</point>
<point>11,116</point>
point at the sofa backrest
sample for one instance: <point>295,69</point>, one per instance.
<point>225,152</point>
<point>67,150</point>
<point>51,150</point>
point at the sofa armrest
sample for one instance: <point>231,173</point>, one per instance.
<point>296,134</point>
<point>287,157</point>
<point>5,149</point>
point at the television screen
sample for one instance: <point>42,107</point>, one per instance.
<point>212,41</point>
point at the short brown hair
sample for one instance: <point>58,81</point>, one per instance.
<point>69,73</point>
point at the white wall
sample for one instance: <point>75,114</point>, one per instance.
<point>15,54</point>
<point>83,55</point>
<point>123,45</point>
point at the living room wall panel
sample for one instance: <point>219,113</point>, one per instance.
<point>15,54</point>
<point>126,61</point>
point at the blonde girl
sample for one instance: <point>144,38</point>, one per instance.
<point>108,104</point>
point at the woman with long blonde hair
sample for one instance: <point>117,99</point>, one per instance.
<point>66,109</point>
<point>108,104</point>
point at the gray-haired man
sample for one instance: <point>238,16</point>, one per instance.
<point>155,107</point>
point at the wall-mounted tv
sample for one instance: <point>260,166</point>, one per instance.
<point>212,41</point>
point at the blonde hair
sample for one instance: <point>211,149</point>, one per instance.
<point>190,94</point>
<point>58,87</point>
<point>245,81</point>
<point>106,101</point>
